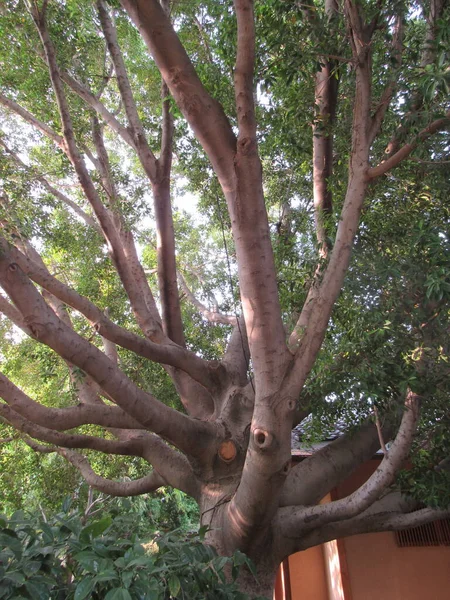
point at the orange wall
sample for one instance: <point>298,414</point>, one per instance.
<point>379,569</point>
<point>308,579</point>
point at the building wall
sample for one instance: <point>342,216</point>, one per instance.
<point>308,578</point>
<point>379,569</point>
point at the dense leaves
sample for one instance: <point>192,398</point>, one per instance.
<point>71,558</point>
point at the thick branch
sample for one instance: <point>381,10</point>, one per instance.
<point>307,518</point>
<point>310,480</point>
<point>244,71</point>
<point>203,113</point>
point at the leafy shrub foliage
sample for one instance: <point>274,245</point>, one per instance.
<point>67,558</point>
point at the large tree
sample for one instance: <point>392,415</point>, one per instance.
<point>101,102</point>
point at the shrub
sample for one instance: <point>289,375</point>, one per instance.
<point>67,559</point>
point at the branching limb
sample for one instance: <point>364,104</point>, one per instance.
<point>137,131</point>
<point>126,262</point>
<point>188,435</point>
<point>303,519</point>
<point>169,354</point>
<point>385,518</point>
<point>132,447</point>
<point>91,100</point>
<point>158,173</point>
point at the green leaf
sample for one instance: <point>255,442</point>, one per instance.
<point>95,529</point>
<point>174,585</point>
<point>84,588</point>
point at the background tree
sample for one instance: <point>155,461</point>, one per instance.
<point>202,371</point>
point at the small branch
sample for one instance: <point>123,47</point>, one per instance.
<point>379,431</point>
<point>405,151</point>
<point>92,101</point>
<point>29,118</point>
<point>386,97</point>
<point>212,316</point>
<point>52,190</point>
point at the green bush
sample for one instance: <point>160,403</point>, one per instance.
<point>66,558</point>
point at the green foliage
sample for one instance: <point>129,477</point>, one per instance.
<point>69,558</point>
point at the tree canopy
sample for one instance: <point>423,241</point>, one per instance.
<point>310,284</point>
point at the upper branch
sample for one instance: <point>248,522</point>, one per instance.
<point>139,138</point>
<point>32,120</point>
<point>92,101</point>
<point>204,114</point>
<point>244,71</point>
